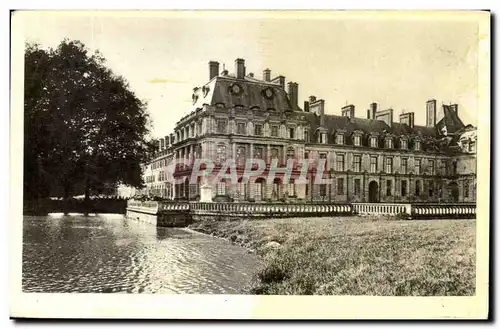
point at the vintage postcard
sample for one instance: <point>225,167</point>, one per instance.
<point>250,164</point>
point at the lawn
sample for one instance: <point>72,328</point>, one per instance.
<point>357,255</point>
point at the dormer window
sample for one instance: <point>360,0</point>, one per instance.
<point>339,139</point>
<point>404,144</point>
<point>357,140</point>
<point>306,136</point>
<point>472,146</point>
<point>373,142</point>
<point>322,138</point>
<point>417,145</point>
<point>388,143</point>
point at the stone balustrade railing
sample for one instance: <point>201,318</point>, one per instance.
<point>297,210</point>
<point>444,210</point>
<point>381,208</point>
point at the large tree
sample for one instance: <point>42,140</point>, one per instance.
<point>84,126</point>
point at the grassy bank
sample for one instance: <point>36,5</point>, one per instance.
<point>357,256</point>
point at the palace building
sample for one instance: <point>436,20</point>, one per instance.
<point>374,158</point>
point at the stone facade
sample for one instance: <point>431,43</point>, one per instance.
<point>372,159</point>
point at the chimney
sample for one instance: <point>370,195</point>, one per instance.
<point>430,120</point>
<point>281,81</point>
<point>293,89</point>
<point>312,99</point>
<point>386,116</point>
<point>266,75</point>
<point>368,114</point>
<point>373,110</point>
<point>239,68</point>
<point>348,111</point>
<point>167,141</point>
<point>213,68</point>
<point>306,106</point>
<point>162,144</point>
<point>407,118</point>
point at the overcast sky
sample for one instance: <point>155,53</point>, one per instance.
<point>398,62</point>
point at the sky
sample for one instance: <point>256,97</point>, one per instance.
<point>397,61</point>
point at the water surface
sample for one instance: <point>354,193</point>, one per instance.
<point>108,253</point>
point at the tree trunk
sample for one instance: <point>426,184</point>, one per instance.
<point>86,202</point>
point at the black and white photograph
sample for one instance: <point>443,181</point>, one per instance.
<point>250,154</point>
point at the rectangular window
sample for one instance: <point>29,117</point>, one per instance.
<point>431,189</point>
<point>472,146</point>
<point>357,163</point>
<point>306,155</point>
<point>241,129</point>
<point>222,126</point>
<point>340,186</point>
<point>373,142</point>
<point>340,162</point>
<point>306,136</point>
<point>258,130</point>
<point>221,188</point>
<point>373,164</point>
<point>466,189</point>
<point>418,164</point>
<point>431,167</point>
<point>357,186</point>
<point>322,138</point>
<point>291,133</point>
<point>388,185</point>
<point>417,188</point>
<point>322,190</point>
<point>389,143</point>
<point>324,160</point>
<point>274,131</point>
<point>444,168</point>
<point>357,140</point>
<point>388,165</point>
<point>404,187</point>
<point>417,145</point>
<point>404,165</point>
<point>404,144</point>
<point>340,139</point>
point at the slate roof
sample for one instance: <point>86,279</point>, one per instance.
<point>450,120</point>
<point>336,122</point>
<point>252,94</point>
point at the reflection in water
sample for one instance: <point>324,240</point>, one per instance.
<point>107,253</point>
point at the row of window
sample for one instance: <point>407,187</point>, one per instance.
<point>159,164</point>
<point>241,129</point>
<point>357,164</point>
<point>373,141</point>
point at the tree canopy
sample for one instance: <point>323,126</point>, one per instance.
<point>84,128</point>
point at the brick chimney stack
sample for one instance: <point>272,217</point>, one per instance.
<point>213,68</point>
<point>373,111</point>
<point>239,68</point>
<point>293,90</point>
<point>266,75</point>
<point>430,107</point>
